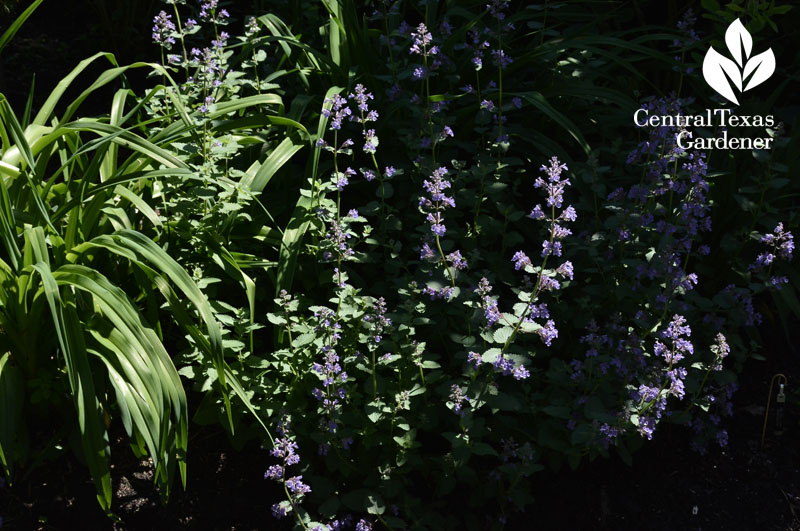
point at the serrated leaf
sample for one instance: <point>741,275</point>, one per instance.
<point>501,335</point>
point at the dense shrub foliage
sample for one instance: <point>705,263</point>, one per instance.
<point>421,251</point>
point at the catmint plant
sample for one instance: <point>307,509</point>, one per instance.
<point>780,246</point>
<point>285,449</point>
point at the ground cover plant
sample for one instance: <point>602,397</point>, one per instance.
<point>420,251</point>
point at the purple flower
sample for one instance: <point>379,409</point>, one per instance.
<point>675,331</point>
<point>647,426</point>
<point>342,180</point>
<point>763,260</point>
<point>686,27</point>
<point>279,510</point>
<point>457,397</point>
<point>207,8</point>
<point>548,332</point>
<point>438,293</point>
<point>296,485</point>
<point>537,311</point>
<point>457,260</point>
<point>520,260</point>
<point>537,213</point>
<point>340,110</point>
<point>475,359</point>
<point>484,287</point>
<point>491,311</point>
<point>777,281</point>
<point>394,92</point>
<point>521,373</point>
<point>363,525</point>
<point>496,8</point>
<point>549,248</point>
<point>565,270</point>
<point>362,97</point>
<point>437,201</point>
<point>547,283</point>
<point>163,27</point>
<point>222,41</point>
<point>554,185</point>
<point>370,141</point>
<point>501,59</point>
<point>426,252</point>
<point>274,472</point>
<point>721,349</point>
<point>781,245</point>
<point>422,38</point>
<point>251,26</point>
<point>437,227</point>
<point>377,317</point>
<point>609,432</point>
<point>504,365</point>
<point>338,237</point>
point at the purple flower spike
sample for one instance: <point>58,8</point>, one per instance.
<point>163,27</point>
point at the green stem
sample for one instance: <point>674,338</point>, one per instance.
<point>183,44</point>
<point>374,378</point>
<point>294,506</point>
<point>535,291</point>
<point>444,261</point>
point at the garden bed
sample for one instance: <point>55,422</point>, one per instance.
<point>399,265</point>
<point>737,488</point>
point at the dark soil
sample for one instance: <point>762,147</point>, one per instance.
<point>670,487</point>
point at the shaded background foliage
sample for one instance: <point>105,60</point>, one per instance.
<point>60,34</point>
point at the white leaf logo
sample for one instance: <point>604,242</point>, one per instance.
<point>720,72</point>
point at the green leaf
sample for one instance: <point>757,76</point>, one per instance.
<point>140,204</point>
<point>596,410</point>
<point>561,412</point>
<point>374,412</point>
<point>540,102</point>
<point>481,448</point>
<point>70,337</point>
<point>146,254</point>
<point>501,335</point>
<point>279,156</point>
<point>17,24</point>
<point>47,108</point>
<point>385,190</point>
<point>375,504</point>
